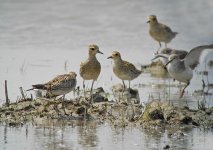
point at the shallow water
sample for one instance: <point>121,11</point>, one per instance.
<point>99,137</point>
<point>37,39</point>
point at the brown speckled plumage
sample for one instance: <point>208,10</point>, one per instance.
<point>123,69</point>
<point>160,32</point>
<point>60,85</point>
<point>91,68</point>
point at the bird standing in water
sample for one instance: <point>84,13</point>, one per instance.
<point>182,69</point>
<point>91,68</point>
<point>122,69</point>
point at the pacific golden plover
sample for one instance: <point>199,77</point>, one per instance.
<point>160,32</point>
<point>91,68</point>
<point>123,69</point>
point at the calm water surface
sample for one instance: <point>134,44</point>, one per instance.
<point>37,39</point>
<point>98,137</point>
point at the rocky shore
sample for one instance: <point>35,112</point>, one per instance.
<point>124,111</point>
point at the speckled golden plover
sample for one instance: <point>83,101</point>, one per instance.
<point>60,85</point>
<point>91,68</point>
<point>122,69</point>
<point>160,32</point>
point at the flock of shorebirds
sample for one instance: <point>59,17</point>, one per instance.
<point>180,64</point>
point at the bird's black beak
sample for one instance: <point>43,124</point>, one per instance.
<point>110,57</point>
<point>158,57</point>
<point>168,62</point>
<point>148,21</point>
<point>100,52</point>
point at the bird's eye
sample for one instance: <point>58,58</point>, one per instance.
<point>116,54</point>
<point>92,49</point>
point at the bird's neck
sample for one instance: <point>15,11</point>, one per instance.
<point>92,57</point>
<point>118,61</point>
<point>154,24</point>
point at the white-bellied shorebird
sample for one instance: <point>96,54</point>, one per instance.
<point>91,68</point>
<point>60,85</point>
<point>122,69</point>
<point>160,32</point>
<point>182,69</point>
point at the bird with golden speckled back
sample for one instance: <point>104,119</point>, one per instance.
<point>160,32</point>
<point>124,70</point>
<point>60,85</point>
<point>91,68</point>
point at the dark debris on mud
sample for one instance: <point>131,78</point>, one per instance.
<point>122,113</point>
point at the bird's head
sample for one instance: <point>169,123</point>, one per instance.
<point>115,55</point>
<point>94,49</point>
<point>152,19</point>
<point>73,74</point>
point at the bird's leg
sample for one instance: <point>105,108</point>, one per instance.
<point>158,48</point>
<point>182,92</point>
<point>84,89</point>
<point>62,103</point>
<point>129,84</point>
<point>129,94</point>
<point>91,93</point>
<point>203,84</point>
<point>124,85</point>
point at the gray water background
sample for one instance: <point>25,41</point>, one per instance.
<point>37,39</point>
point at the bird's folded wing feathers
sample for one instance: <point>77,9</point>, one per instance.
<point>193,57</point>
<point>131,67</point>
<point>166,28</point>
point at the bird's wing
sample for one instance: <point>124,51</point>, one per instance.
<point>192,58</point>
<point>166,28</point>
<point>131,67</point>
<point>58,80</point>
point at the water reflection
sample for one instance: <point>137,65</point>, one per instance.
<point>5,137</point>
<point>87,135</point>
<point>37,45</point>
<point>91,136</point>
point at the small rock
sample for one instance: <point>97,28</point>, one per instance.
<point>209,111</point>
<point>185,119</point>
<point>156,114</point>
<point>99,90</point>
<point>99,98</point>
<point>80,110</point>
<point>166,147</point>
<point>195,123</point>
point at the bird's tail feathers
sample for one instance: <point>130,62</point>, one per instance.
<point>30,89</point>
<point>39,86</point>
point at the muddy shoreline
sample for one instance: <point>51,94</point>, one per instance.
<point>119,112</point>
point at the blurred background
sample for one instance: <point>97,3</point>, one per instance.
<point>43,38</point>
